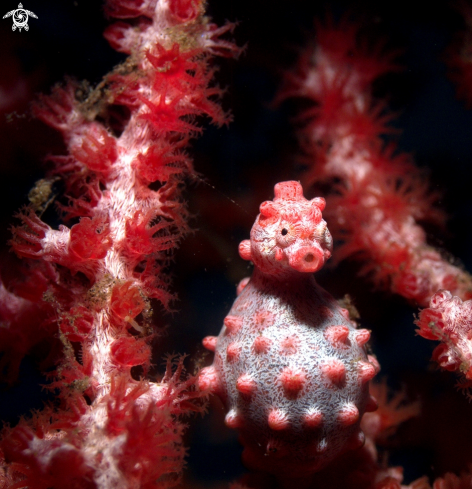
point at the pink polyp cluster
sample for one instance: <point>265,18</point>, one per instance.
<point>290,366</point>
<point>448,320</point>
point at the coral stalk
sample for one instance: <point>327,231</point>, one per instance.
<point>111,428</point>
<point>379,197</point>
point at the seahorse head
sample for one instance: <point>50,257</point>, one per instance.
<point>289,233</point>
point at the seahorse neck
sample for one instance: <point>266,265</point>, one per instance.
<point>291,279</point>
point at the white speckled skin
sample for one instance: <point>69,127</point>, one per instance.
<point>289,364</point>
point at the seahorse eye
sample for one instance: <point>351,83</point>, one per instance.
<point>286,234</point>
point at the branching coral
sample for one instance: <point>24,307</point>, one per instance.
<point>96,278</point>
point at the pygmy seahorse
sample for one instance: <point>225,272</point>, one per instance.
<point>290,365</point>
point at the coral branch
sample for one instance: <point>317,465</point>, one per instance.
<point>111,430</point>
<point>380,197</point>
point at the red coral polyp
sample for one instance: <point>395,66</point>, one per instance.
<point>143,238</point>
<point>128,9</point>
<point>162,161</point>
<point>430,323</point>
<point>128,352</point>
<point>185,10</point>
<point>56,109</point>
<point>78,324</point>
<point>446,358</point>
<point>27,239</point>
<point>138,238</point>
<point>166,115</point>
<point>126,300</point>
<point>97,151</point>
<point>90,238</point>
<point>172,65</point>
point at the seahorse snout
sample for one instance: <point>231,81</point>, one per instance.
<point>306,259</point>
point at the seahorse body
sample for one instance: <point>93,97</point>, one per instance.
<point>289,364</point>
